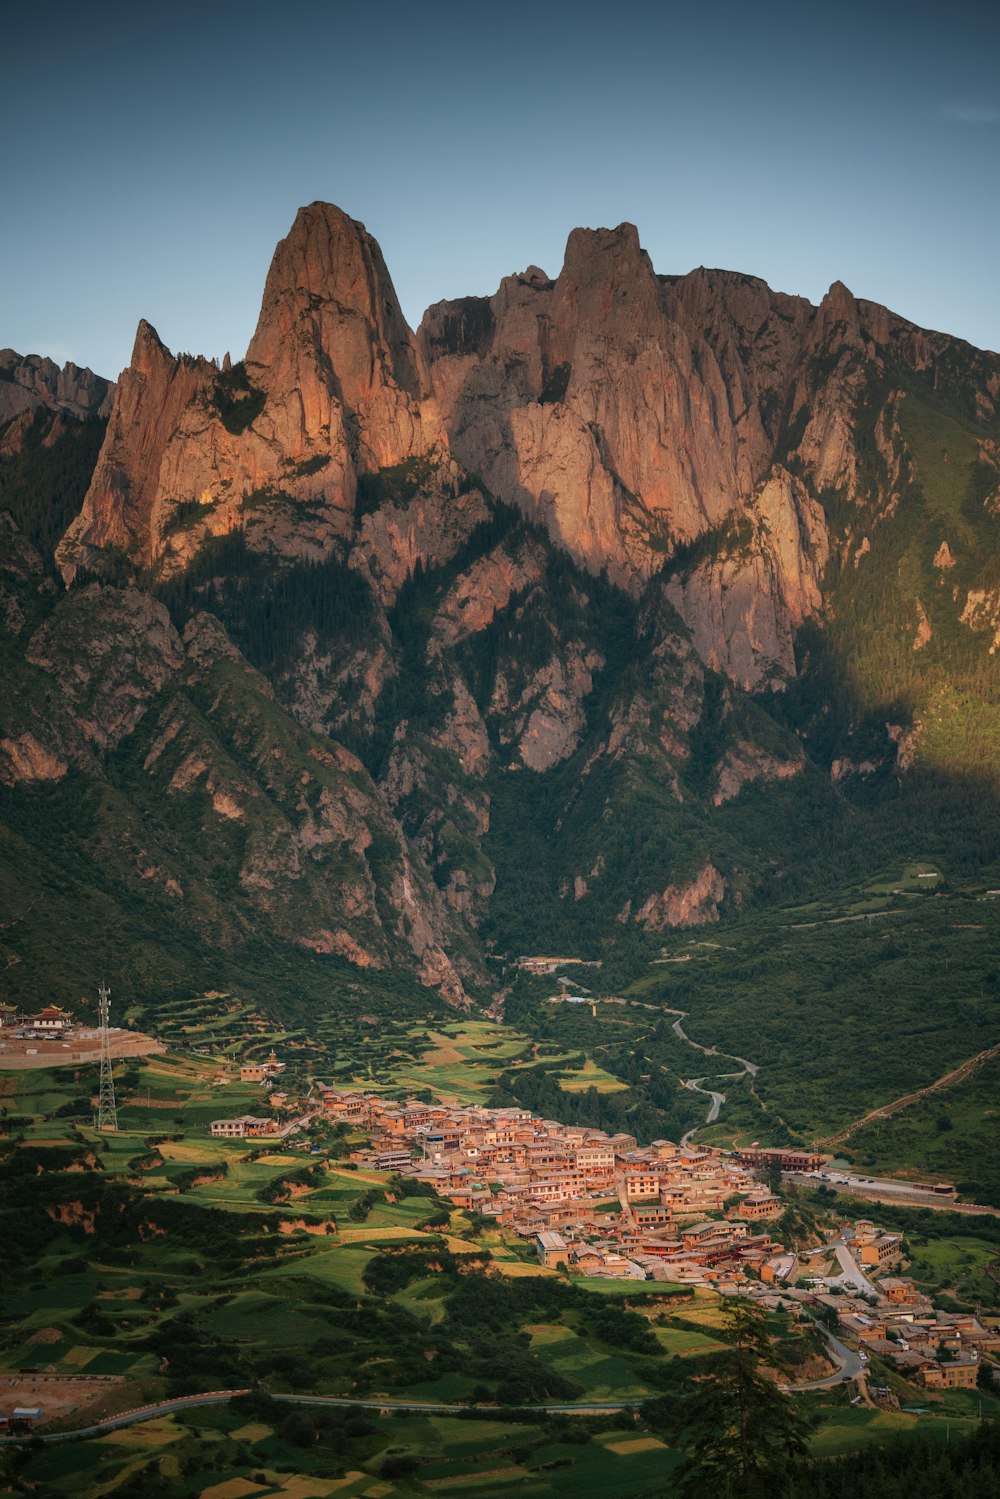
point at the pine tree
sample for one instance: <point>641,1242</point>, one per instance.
<point>743,1436</point>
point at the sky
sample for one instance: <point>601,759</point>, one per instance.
<point>154,156</point>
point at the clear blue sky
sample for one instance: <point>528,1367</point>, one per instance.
<point>153,156</point>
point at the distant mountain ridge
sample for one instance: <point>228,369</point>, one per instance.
<point>572,614</point>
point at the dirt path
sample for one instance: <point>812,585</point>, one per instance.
<point>956,1075</point>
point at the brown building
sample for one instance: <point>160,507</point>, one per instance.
<point>757,1205</point>
<point>961,1374</point>
<point>242,1128</point>
<point>881,1251</point>
<point>551,1248</point>
<point>899,1291</point>
<point>786,1158</point>
<point>259,1072</point>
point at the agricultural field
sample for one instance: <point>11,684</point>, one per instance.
<point>440,1057</point>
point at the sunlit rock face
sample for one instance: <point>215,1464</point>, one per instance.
<point>600,403</point>
<point>631,414</point>
<point>402,645</point>
<point>333,386</point>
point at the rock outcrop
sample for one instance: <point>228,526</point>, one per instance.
<point>683,905</point>
<point>592,405</point>
<point>333,386</point>
<point>635,415</point>
<point>745,600</point>
<point>408,643</point>
<point>28,382</point>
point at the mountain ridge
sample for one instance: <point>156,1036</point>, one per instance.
<point>604,586</point>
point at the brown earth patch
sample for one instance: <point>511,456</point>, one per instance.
<point>46,1335</point>
<point>59,1395</point>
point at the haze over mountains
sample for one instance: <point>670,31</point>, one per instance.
<point>613,602</point>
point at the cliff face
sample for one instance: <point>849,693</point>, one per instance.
<point>595,404</point>
<point>636,416</point>
<point>744,602</point>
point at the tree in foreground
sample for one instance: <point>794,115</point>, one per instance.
<point>743,1436</point>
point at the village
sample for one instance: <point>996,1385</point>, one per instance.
<point>603,1206</point>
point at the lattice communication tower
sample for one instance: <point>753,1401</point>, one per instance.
<point>107,1114</point>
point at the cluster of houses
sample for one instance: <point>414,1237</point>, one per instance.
<point>597,1203</point>
<point>601,1205</point>
<point>940,1349</point>
<point>250,1126</point>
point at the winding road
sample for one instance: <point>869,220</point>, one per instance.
<point>849,1366</point>
<point>694,1084</point>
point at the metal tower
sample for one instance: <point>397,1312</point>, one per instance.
<point>107,1114</point>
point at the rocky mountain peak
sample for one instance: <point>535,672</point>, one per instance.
<point>149,351</point>
<point>332,387</point>
<point>604,254</point>
<point>838,306</point>
<point>319,736</point>
<point>632,415</point>
<point>315,250</point>
<point>326,262</point>
<point>331,328</point>
<point>607,279</point>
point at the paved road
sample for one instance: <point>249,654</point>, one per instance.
<point>851,1272</point>
<point>220,1397</point>
<point>132,1417</point>
<point>849,1366</point>
<point>709,1051</point>
<point>693,1085</point>
<point>890,1191</point>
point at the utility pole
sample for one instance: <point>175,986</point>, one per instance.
<point>107,1114</point>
